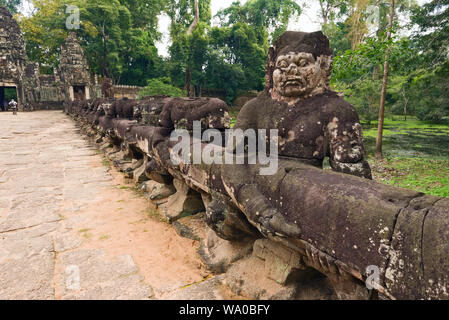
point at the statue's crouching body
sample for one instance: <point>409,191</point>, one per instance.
<point>312,121</point>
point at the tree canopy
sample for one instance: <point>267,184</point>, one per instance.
<point>120,36</point>
<point>12,5</point>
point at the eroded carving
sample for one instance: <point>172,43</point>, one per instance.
<point>322,227</point>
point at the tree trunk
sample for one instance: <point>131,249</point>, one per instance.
<point>188,79</point>
<point>379,154</point>
<point>405,104</point>
<point>324,13</point>
<point>196,20</point>
<point>375,72</point>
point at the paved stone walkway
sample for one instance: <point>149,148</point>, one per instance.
<point>70,229</point>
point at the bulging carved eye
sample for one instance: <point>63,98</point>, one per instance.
<point>283,64</point>
<point>303,63</point>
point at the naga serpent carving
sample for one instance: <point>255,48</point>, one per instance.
<point>337,222</point>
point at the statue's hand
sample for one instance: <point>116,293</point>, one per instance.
<point>360,169</point>
<point>261,213</point>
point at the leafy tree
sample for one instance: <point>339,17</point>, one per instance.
<point>330,10</point>
<point>239,47</point>
<point>140,55</point>
<point>429,93</point>
<point>359,63</point>
<point>196,57</point>
<point>337,32</point>
<point>400,95</point>
<point>105,26</point>
<point>224,75</point>
<point>45,32</point>
<point>11,5</point>
<point>182,14</point>
<point>365,95</point>
<point>141,60</point>
<point>264,15</point>
<point>432,36</point>
<point>144,14</point>
<point>160,86</point>
<point>190,20</point>
<point>118,42</point>
<point>236,60</point>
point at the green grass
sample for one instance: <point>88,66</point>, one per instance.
<point>413,125</point>
<point>155,215</point>
<point>135,189</point>
<point>429,176</point>
<point>411,138</point>
<point>416,155</point>
<point>86,233</point>
<point>233,113</point>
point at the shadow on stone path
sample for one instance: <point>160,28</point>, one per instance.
<point>71,228</point>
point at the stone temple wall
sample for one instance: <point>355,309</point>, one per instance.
<point>41,91</point>
<point>35,90</point>
<point>73,69</point>
<point>12,53</point>
<point>130,92</point>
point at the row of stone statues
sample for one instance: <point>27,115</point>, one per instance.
<point>308,225</point>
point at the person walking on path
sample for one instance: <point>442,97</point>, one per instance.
<point>13,106</point>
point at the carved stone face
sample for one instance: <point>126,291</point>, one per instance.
<point>299,75</point>
<point>294,74</point>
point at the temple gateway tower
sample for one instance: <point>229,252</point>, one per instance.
<point>21,79</point>
<point>74,70</point>
<point>12,57</point>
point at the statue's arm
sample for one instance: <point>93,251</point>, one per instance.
<point>347,153</point>
<point>246,119</point>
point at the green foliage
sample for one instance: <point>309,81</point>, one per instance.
<point>364,94</point>
<point>181,13</point>
<point>358,63</point>
<point>432,36</point>
<point>423,175</point>
<point>338,37</point>
<point>355,74</point>
<point>117,35</point>
<point>238,57</point>
<point>10,93</point>
<point>197,44</point>
<point>416,155</point>
<point>141,61</point>
<point>161,86</point>
<point>273,15</point>
<point>44,32</point>
<point>11,5</point>
<point>105,26</point>
<point>188,53</point>
<point>429,94</point>
<point>224,75</point>
<point>231,57</point>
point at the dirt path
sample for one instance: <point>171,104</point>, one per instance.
<point>71,228</point>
